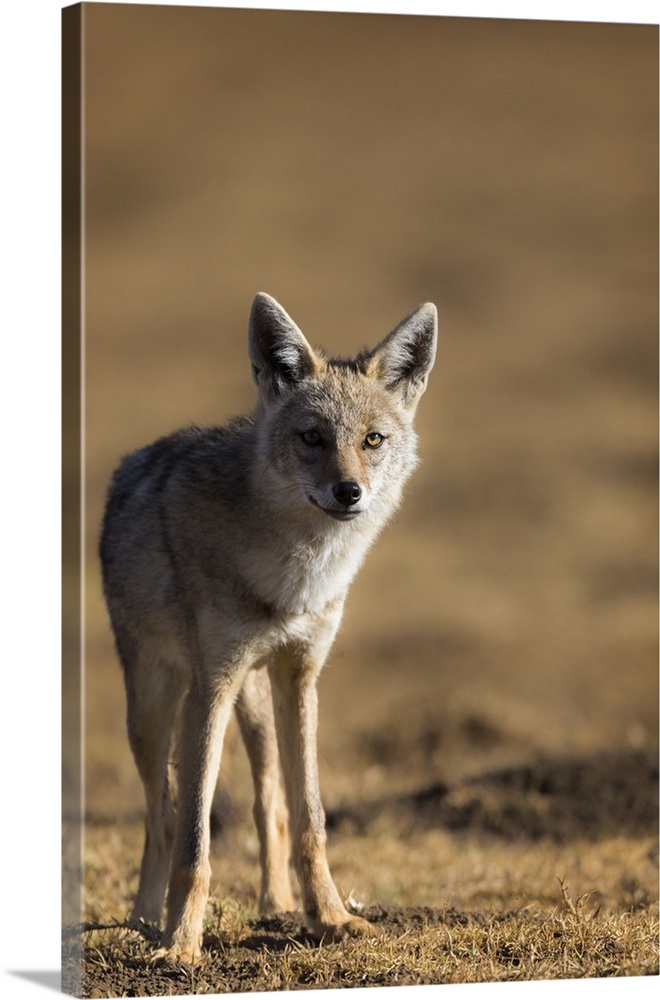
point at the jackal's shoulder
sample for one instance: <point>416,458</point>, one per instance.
<point>192,454</point>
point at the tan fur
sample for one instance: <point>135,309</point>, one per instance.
<point>227,554</point>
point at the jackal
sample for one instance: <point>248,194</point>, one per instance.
<point>227,553</point>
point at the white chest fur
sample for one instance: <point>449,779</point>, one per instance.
<point>304,577</point>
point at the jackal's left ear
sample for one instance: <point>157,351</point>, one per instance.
<point>404,359</point>
<point>279,352</point>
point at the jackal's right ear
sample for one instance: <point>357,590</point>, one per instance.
<point>279,352</point>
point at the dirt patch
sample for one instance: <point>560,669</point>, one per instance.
<point>416,946</point>
<point>559,799</point>
<point>235,959</point>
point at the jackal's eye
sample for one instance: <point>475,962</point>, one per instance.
<point>373,440</point>
<point>312,438</point>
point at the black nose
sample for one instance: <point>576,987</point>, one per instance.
<point>347,493</point>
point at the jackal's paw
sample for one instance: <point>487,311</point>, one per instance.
<point>177,954</point>
<point>351,927</point>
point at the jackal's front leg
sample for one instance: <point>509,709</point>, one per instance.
<point>293,676</point>
<point>206,713</point>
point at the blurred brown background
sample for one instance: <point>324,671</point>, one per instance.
<point>354,165</point>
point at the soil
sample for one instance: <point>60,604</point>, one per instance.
<point>235,971</point>
<point>605,795</point>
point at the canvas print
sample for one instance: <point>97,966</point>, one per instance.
<point>360,417</point>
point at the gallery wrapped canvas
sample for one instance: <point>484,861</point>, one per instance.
<point>270,217</point>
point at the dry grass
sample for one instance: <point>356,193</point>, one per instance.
<point>454,907</point>
<point>569,940</point>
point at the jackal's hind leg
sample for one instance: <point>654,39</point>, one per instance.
<point>153,692</point>
<point>254,709</point>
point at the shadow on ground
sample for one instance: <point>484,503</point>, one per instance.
<point>560,799</point>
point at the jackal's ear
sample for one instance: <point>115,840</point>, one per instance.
<point>279,353</point>
<point>404,359</point>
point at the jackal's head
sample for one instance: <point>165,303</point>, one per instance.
<point>335,436</point>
